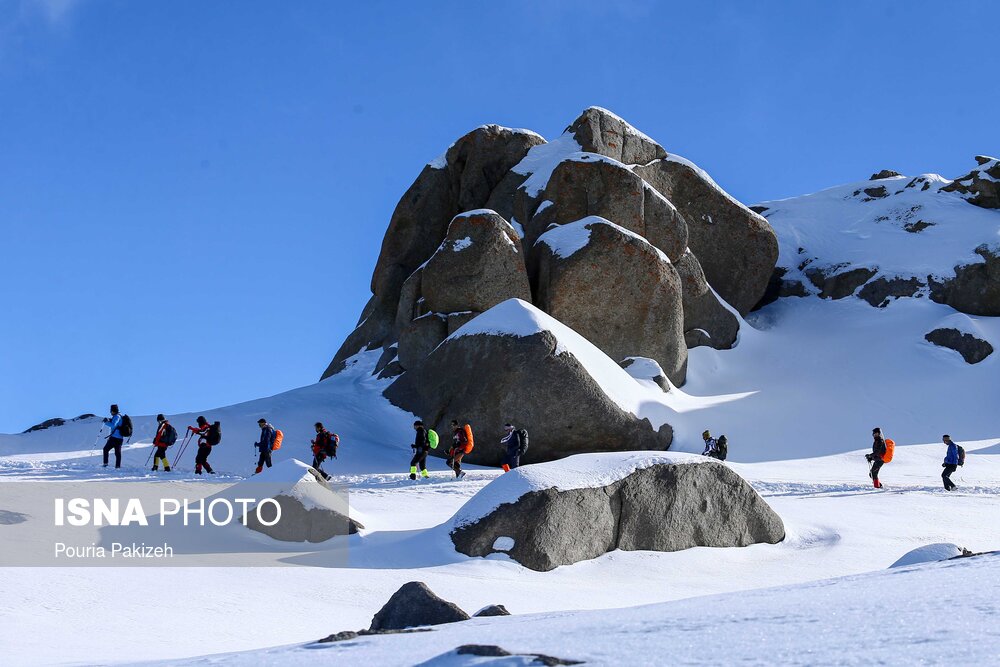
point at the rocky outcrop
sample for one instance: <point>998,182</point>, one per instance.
<point>706,320</point>
<point>972,349</point>
<point>420,337</point>
<point>414,605</point>
<point>835,283</point>
<point>56,421</point>
<point>975,289</point>
<point>659,506</point>
<point>515,363</point>
<point>885,173</point>
<point>981,186</point>
<point>492,610</point>
<point>614,288</point>
<point>880,291</point>
<point>736,247</point>
<point>479,264</point>
<point>598,130</point>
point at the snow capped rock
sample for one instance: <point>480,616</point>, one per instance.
<point>929,553</point>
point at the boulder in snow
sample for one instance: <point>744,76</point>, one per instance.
<point>614,288</point>
<point>492,610</point>
<point>414,605</point>
<point>707,321</point>
<point>515,363</point>
<point>880,291</point>
<point>585,506</point>
<point>419,337</point>
<point>835,283</point>
<point>975,289</point>
<point>972,349</point>
<point>598,130</point>
<point>981,186</point>
<point>310,510</point>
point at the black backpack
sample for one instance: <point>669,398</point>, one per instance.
<point>330,447</point>
<point>125,428</point>
<point>522,435</point>
<point>169,435</point>
<point>214,436</point>
<point>721,448</point>
<point>961,455</point>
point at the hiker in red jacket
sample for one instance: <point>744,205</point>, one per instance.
<point>166,435</point>
<point>204,446</point>
<point>323,446</point>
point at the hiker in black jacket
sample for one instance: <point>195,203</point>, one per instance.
<point>875,458</point>
<point>512,442</point>
<point>421,446</point>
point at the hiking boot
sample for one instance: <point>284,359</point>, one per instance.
<point>155,468</point>
<point>413,476</point>
<point>167,469</point>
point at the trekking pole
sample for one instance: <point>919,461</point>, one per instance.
<point>97,440</point>
<point>182,449</point>
<point>150,457</point>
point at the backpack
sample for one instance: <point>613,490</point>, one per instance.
<point>125,428</point>
<point>214,435</point>
<point>169,436</point>
<point>961,455</point>
<point>468,434</point>
<point>522,435</point>
<point>330,447</point>
<point>721,448</point>
<point>890,449</point>
<point>432,438</point>
<point>278,437</point>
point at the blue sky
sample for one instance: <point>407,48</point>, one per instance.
<point>193,194</point>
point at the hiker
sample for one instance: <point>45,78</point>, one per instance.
<point>325,445</point>
<point>265,444</point>
<point>115,439</point>
<point>710,444</point>
<point>951,462</point>
<point>166,435</point>
<point>421,446</point>
<point>203,431</point>
<point>879,456</point>
<point>463,443</point>
<point>513,441</point>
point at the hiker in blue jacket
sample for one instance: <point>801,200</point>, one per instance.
<point>115,440</point>
<point>950,464</point>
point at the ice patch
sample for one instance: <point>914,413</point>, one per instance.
<point>565,240</point>
<point>542,160</point>
<point>461,244</point>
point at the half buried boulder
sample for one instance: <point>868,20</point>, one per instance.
<point>516,363</point>
<point>579,508</point>
<point>415,605</point>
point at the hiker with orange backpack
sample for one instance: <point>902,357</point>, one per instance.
<point>269,441</point>
<point>882,452</point>
<point>463,444</point>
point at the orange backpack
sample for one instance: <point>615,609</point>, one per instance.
<point>468,434</point>
<point>278,437</point>
<point>890,449</point>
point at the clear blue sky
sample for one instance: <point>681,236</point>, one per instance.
<point>193,194</point>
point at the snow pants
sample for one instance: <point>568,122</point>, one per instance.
<point>876,466</point>
<point>115,444</point>
<point>318,459</point>
<point>456,460</point>
<point>264,459</point>
<point>201,459</point>
<point>419,460</point>
<point>946,476</point>
<point>161,455</point>
<point>511,460</point>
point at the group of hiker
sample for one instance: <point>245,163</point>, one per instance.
<point>883,450</point>
<point>514,442</point>
<point>208,435</point>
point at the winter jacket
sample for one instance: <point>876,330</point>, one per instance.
<point>513,442</point>
<point>420,441</point>
<point>161,435</point>
<point>951,458</point>
<point>878,447</point>
<point>709,447</point>
<point>324,439</point>
<point>267,436</point>
<point>201,431</point>
<point>114,424</point>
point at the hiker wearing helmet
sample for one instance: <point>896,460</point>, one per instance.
<point>878,456</point>
<point>709,444</point>
<point>951,463</point>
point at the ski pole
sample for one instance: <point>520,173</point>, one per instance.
<point>182,449</point>
<point>150,457</point>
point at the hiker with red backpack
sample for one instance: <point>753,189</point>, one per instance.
<point>325,445</point>
<point>954,457</point>
<point>463,444</point>
<point>882,452</point>
<point>269,441</point>
<point>209,435</point>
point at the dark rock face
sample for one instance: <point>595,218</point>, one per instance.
<point>416,605</point>
<point>665,507</point>
<point>492,610</point>
<point>491,651</point>
<point>736,247</point>
<point>972,349</point>
<point>478,265</point>
<point>56,421</point>
<point>706,320</point>
<point>420,337</point>
<point>492,379</point>
<point>975,289</point>
<point>880,291</point>
<point>600,131</point>
<point>618,291</point>
<point>374,328</point>
<point>885,173</point>
<point>834,285</point>
<point>299,524</point>
<point>980,186</point>
<point>778,286</point>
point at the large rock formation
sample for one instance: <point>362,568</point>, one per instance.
<point>547,516</point>
<point>614,288</point>
<point>981,186</point>
<point>515,363</point>
<point>972,349</point>
<point>414,605</point>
